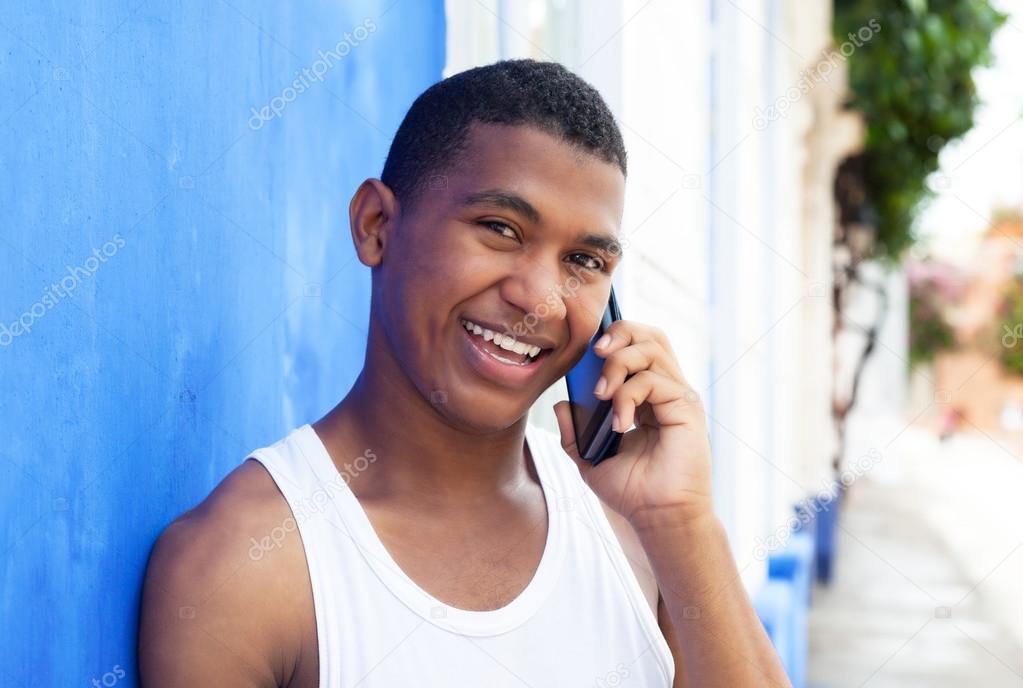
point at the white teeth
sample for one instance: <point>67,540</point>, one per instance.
<point>504,341</point>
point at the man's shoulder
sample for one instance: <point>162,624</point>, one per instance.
<point>238,533</point>
<point>241,507</point>
<point>212,572</point>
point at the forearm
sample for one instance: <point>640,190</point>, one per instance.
<point>722,639</point>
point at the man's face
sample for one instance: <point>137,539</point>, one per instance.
<point>518,238</point>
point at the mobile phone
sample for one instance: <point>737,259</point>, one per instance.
<point>591,416</point>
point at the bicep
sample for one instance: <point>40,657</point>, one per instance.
<point>195,627</point>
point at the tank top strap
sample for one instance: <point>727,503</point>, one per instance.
<point>590,520</point>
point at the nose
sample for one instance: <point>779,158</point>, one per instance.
<point>537,290</point>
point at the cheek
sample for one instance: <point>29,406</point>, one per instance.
<point>432,256</point>
<point>457,264</point>
<point>584,319</point>
<point>584,311</point>
<point>428,273</point>
<point>416,270</point>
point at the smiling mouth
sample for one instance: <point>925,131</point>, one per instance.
<point>501,347</point>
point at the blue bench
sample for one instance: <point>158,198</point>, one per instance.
<point>782,603</point>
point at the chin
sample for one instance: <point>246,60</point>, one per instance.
<point>477,417</point>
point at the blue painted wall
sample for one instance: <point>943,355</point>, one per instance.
<point>177,283</point>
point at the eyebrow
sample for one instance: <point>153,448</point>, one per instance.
<point>518,204</point>
<point>503,199</point>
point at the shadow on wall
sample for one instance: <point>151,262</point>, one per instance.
<point>178,284</point>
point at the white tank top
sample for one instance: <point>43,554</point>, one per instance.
<point>581,621</point>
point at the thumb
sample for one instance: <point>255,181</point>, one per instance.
<point>563,412</point>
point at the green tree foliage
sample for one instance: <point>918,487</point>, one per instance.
<point>912,81</point>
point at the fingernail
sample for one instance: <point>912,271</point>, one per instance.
<point>602,342</point>
<point>616,424</point>
<point>601,386</point>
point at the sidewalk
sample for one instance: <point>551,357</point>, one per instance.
<point>909,604</point>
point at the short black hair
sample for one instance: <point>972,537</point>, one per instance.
<point>544,95</point>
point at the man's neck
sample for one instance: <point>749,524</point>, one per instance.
<point>420,458</point>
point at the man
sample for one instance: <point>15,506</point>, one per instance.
<point>422,533</point>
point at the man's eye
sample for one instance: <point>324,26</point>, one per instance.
<point>500,228</point>
<point>588,261</point>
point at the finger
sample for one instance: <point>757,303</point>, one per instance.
<point>690,403</point>
<point>642,355</point>
<point>672,402</point>
<point>622,333</point>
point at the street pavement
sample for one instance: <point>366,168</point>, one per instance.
<point>927,587</point>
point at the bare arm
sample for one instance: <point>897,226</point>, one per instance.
<point>211,611</point>
<point>660,481</point>
<point>719,634</point>
<point>674,643</point>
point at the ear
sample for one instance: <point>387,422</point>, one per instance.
<point>373,214</point>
